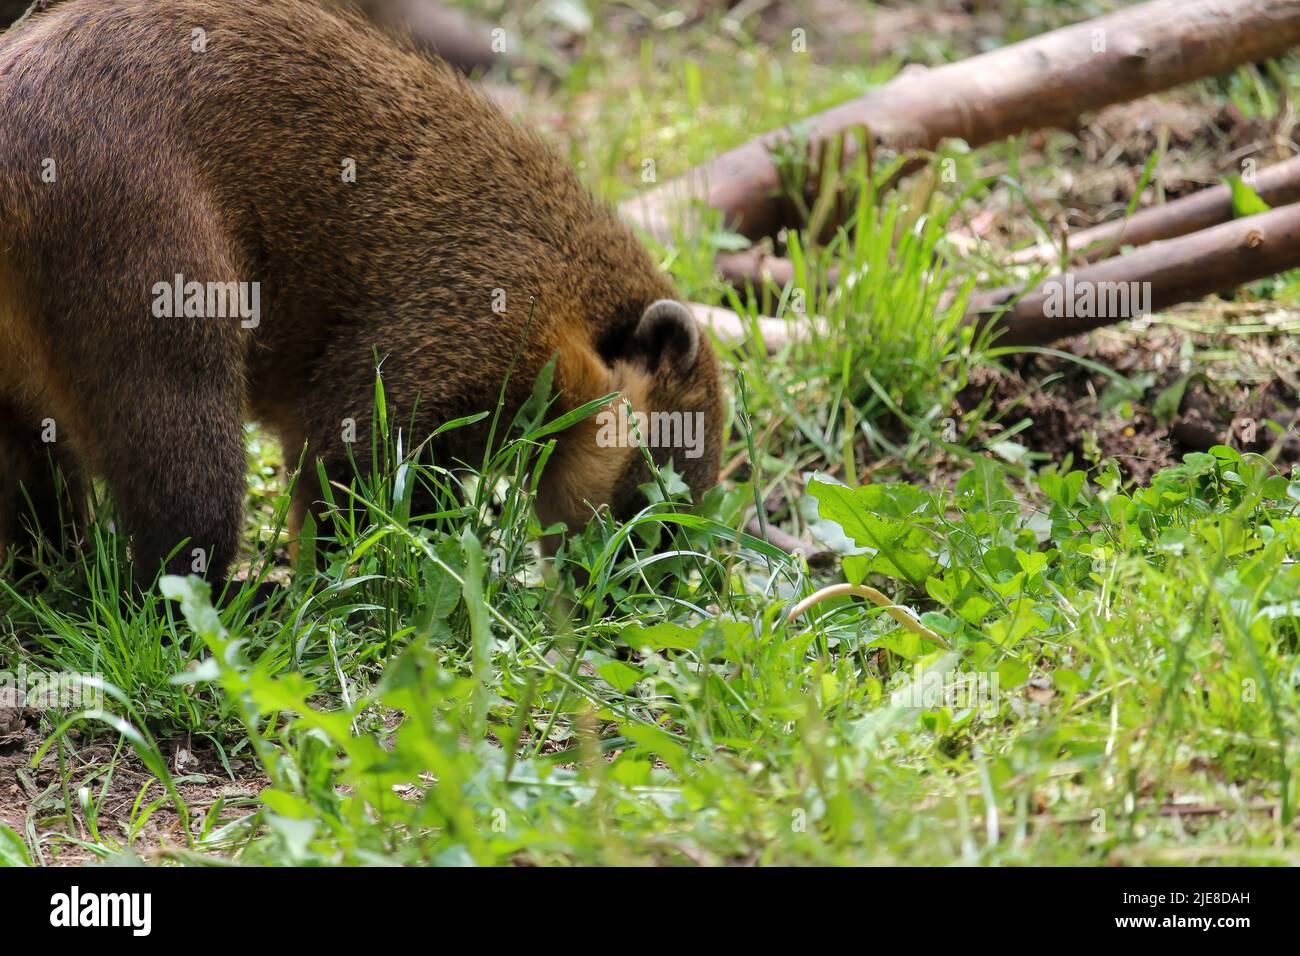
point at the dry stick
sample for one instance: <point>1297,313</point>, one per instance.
<point>1277,185</point>
<point>758,268</point>
<point>1042,82</point>
<point>732,329</point>
<point>787,542</point>
<point>896,611</point>
<point>1159,275</point>
<point>463,42</point>
<point>754,266</point>
<point>1148,280</point>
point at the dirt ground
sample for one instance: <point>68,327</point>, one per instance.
<point>33,800</point>
<point>1244,399</point>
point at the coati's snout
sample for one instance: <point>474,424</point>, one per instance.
<point>669,406</point>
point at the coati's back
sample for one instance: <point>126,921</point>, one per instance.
<point>376,201</point>
<point>263,114</point>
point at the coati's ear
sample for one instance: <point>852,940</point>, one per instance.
<point>667,334</point>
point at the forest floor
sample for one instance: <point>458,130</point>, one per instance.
<point>1099,537</point>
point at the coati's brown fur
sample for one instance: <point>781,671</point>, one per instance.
<point>227,164</point>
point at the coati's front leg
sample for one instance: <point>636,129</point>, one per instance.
<point>42,494</point>
<point>178,479</point>
<point>153,395</point>
<point>174,463</point>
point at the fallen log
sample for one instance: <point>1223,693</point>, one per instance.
<point>1155,277</point>
<point>758,268</point>
<point>772,534</point>
<point>463,42</point>
<point>12,11</point>
<point>1277,185</point>
<point>733,329</point>
<point>1042,82</point>
<point>1165,273</point>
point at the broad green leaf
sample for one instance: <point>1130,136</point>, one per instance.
<point>1245,201</point>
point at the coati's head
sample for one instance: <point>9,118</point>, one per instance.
<point>664,367</point>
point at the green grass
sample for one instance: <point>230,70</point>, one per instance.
<point>1133,650</point>
<point>439,694</point>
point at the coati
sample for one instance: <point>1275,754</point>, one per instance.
<point>354,199</point>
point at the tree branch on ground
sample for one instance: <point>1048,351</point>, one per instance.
<point>1046,81</point>
<point>1277,185</point>
<point>1165,273</point>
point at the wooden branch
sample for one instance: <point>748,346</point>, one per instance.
<point>1277,185</point>
<point>755,267</point>
<point>12,11</point>
<point>732,329</point>
<point>1162,274</point>
<point>1042,82</point>
<point>758,268</point>
<point>772,534</point>
<point>464,43</point>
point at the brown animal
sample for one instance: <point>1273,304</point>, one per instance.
<point>364,200</point>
